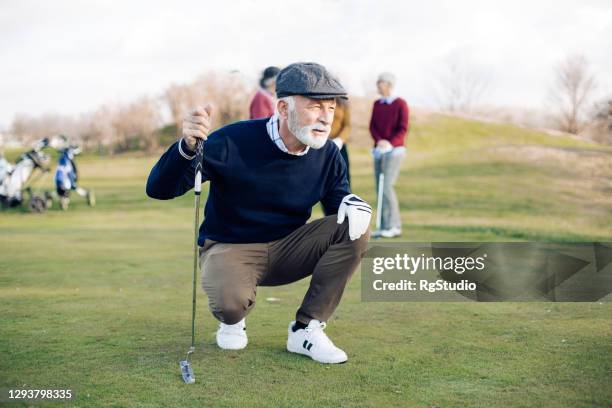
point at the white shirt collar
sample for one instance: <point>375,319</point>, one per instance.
<point>388,100</point>
<point>272,127</point>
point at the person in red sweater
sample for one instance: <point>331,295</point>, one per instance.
<point>389,127</point>
<point>262,105</point>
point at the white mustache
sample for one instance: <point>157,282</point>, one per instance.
<point>322,128</point>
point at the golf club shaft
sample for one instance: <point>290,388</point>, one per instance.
<point>379,201</point>
<point>198,191</point>
<point>195,267</point>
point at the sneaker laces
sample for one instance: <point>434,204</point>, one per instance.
<point>317,333</point>
<point>322,326</point>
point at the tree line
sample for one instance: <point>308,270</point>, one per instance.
<point>460,86</point>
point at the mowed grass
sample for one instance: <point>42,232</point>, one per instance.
<point>99,300</point>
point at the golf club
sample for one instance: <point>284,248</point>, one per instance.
<point>379,198</point>
<point>186,370</point>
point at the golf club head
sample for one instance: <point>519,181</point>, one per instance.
<point>187,372</point>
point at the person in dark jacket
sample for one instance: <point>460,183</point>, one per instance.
<point>265,176</point>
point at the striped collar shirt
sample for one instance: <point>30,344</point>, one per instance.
<point>272,127</point>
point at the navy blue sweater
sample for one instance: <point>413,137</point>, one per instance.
<point>258,193</point>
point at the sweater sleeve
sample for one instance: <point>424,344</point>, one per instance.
<point>375,134</point>
<point>173,174</point>
<point>337,186</point>
<point>399,133</point>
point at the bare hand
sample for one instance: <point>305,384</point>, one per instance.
<point>196,126</point>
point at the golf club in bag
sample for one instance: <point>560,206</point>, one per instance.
<point>186,370</point>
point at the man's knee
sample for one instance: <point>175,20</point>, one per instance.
<point>228,301</point>
<point>229,281</point>
<point>231,312</point>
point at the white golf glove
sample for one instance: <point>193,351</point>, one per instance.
<point>358,213</point>
<point>382,147</point>
<point>338,142</point>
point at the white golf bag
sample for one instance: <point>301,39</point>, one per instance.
<point>6,169</point>
<point>14,178</point>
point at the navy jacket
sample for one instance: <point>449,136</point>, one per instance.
<point>258,193</point>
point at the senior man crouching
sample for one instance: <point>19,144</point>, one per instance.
<point>265,176</point>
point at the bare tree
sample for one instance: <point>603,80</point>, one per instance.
<point>135,125</point>
<point>30,128</point>
<point>229,94</point>
<point>180,98</point>
<point>460,85</point>
<point>573,88</point>
<point>98,131</point>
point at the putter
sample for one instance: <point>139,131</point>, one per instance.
<point>186,370</point>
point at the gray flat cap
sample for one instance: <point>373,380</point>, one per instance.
<point>308,79</point>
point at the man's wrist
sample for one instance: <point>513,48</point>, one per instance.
<point>185,151</point>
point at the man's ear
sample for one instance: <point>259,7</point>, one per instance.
<point>282,108</point>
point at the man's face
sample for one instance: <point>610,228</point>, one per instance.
<point>310,120</point>
<point>384,88</point>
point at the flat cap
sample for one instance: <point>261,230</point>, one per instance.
<point>308,79</point>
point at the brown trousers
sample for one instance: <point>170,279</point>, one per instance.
<point>322,248</point>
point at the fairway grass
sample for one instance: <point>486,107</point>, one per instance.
<point>99,300</point>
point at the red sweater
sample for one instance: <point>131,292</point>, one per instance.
<point>262,105</point>
<point>390,121</point>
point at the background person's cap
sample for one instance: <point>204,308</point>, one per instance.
<point>308,79</point>
<point>267,75</point>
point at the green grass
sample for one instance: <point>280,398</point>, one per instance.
<point>99,300</point>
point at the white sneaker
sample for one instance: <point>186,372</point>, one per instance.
<point>232,336</point>
<point>314,343</point>
<point>391,232</point>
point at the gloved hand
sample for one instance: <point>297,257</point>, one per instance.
<point>338,142</point>
<point>359,214</point>
<point>384,146</point>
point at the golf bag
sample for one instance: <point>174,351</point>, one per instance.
<point>66,177</point>
<point>6,169</point>
<point>13,179</point>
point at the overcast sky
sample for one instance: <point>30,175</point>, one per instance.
<point>68,57</point>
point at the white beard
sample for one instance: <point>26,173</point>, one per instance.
<point>305,133</point>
